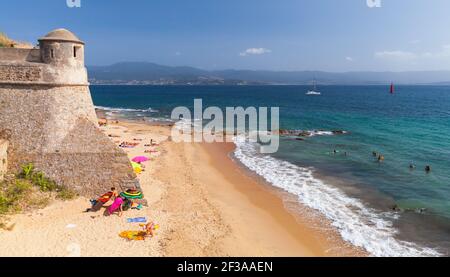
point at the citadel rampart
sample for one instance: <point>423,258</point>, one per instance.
<point>47,117</point>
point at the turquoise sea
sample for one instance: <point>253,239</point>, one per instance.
<point>387,208</point>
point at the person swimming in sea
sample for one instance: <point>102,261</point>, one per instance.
<point>380,158</point>
<point>412,166</point>
<point>374,154</point>
<point>428,169</point>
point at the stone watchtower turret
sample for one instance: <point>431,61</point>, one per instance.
<point>64,51</point>
<point>62,48</point>
<point>48,117</point>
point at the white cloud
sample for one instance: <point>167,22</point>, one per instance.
<point>396,55</point>
<point>444,52</point>
<point>349,59</point>
<point>255,51</point>
<point>437,59</point>
<point>178,53</point>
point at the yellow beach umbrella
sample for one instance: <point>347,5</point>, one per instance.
<point>136,167</point>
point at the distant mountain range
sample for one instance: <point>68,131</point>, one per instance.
<point>142,73</point>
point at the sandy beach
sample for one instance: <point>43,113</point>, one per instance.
<point>205,203</point>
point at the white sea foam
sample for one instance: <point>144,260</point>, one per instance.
<point>312,133</point>
<point>358,224</point>
<point>321,133</point>
<point>160,119</point>
<point>187,125</point>
<point>149,110</point>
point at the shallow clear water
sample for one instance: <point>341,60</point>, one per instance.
<point>411,126</point>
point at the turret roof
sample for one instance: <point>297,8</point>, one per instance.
<point>61,35</point>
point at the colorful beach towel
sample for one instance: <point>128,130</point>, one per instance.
<point>124,146</point>
<point>105,197</point>
<point>133,235</point>
<point>137,220</point>
<point>136,206</point>
<point>138,235</point>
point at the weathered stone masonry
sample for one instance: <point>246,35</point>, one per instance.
<point>47,117</point>
<point>20,73</point>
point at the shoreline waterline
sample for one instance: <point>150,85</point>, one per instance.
<point>352,238</point>
<point>306,231</point>
<point>307,226</point>
<point>356,222</point>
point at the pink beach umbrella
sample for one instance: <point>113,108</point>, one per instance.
<point>140,159</point>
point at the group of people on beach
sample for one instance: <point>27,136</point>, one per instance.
<point>126,144</point>
<point>119,202</point>
<point>128,199</point>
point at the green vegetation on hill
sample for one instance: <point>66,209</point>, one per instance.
<point>5,41</point>
<point>28,190</point>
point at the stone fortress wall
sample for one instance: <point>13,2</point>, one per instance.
<point>48,118</point>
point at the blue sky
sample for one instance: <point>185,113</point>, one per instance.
<point>330,35</point>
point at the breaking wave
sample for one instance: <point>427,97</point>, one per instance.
<point>358,224</point>
<point>118,110</point>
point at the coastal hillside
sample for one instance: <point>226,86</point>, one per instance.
<point>142,73</point>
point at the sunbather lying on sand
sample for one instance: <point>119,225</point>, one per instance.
<point>126,144</point>
<point>148,231</point>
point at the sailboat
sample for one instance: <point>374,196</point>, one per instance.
<point>392,89</point>
<point>314,90</point>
